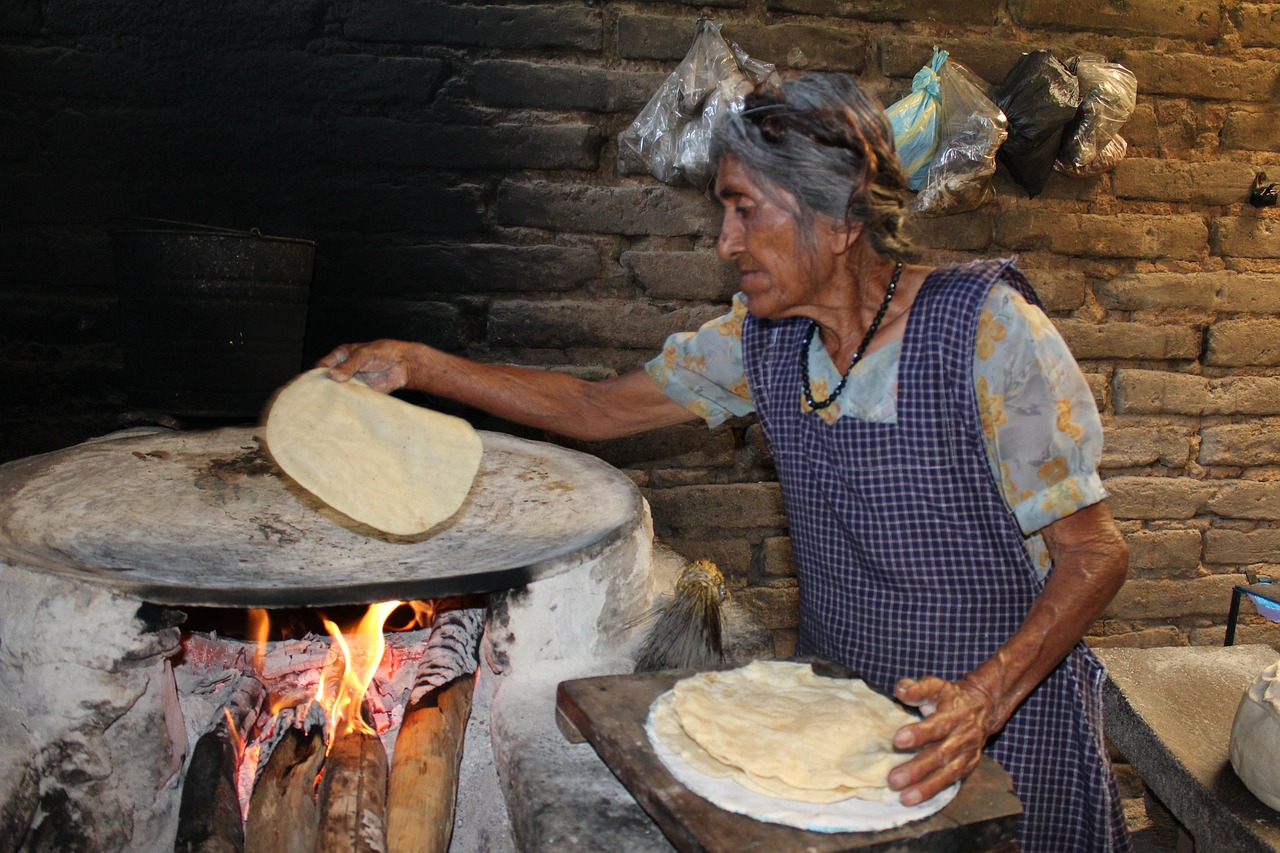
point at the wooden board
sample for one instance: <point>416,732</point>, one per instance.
<point>610,711</point>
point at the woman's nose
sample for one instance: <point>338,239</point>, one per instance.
<point>729,243</point>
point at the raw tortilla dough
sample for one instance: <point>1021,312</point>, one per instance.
<point>666,725</point>
<point>384,462</point>
<point>778,720</point>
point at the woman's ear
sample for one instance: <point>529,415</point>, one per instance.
<point>843,236</point>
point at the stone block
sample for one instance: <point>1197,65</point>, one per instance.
<point>1123,235</point>
<point>802,47</point>
<point>1158,392</point>
<point>1154,498</point>
<point>1257,24</point>
<point>779,561</point>
<point>611,323</point>
<point>377,206</point>
<point>1172,599</point>
<point>682,275</point>
<point>354,77</point>
<point>1155,392</point>
<point>732,506</point>
<point>683,446</point>
<point>1164,553</point>
<point>513,83</point>
<point>1245,499</point>
<point>470,268</point>
<point>1060,290</point>
<point>1131,445</point>
<point>1252,129</point>
<point>901,56</point>
<point>1244,342</point>
<point>1197,76</point>
<point>452,146</point>
<point>1145,638</point>
<point>1233,292</point>
<point>1241,548</point>
<point>1245,237</point>
<point>1197,20</point>
<point>731,555</point>
<point>655,37</point>
<point>1217,183</point>
<point>632,210</point>
<point>58,319</point>
<point>1244,445</point>
<point>774,607</point>
<point>525,27</point>
<point>963,232</point>
<point>939,11</point>
<point>436,323</point>
<point>1129,340</point>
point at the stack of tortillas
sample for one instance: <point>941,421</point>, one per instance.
<point>777,728</point>
<point>395,466</point>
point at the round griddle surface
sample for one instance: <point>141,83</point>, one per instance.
<point>206,518</point>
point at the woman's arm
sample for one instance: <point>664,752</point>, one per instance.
<point>1090,561</point>
<point>543,399</point>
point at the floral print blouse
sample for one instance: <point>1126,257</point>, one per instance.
<point>1042,430</point>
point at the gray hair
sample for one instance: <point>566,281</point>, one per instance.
<point>828,143</point>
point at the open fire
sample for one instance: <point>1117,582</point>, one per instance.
<point>348,741</point>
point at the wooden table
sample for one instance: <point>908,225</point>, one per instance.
<point>610,711</point>
<point>1169,711</point>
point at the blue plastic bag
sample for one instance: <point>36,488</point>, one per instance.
<point>915,120</point>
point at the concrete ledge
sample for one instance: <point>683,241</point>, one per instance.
<point>1169,711</point>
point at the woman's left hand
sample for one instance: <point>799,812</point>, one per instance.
<point>959,717</point>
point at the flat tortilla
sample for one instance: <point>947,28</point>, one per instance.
<point>392,465</point>
<point>780,721</point>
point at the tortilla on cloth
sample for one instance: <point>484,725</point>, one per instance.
<point>791,733</point>
<point>392,465</point>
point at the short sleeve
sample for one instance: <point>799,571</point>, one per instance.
<point>1039,418</point>
<point>703,370</point>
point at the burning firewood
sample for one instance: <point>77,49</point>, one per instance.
<point>209,816</point>
<point>353,795</point>
<point>424,771</point>
<point>283,817</point>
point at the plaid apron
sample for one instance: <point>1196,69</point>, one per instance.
<point>910,563</point>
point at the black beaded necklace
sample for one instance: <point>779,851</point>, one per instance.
<point>816,405</point>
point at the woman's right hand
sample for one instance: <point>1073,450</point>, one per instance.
<point>384,365</point>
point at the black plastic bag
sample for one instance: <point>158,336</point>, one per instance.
<point>1038,96</point>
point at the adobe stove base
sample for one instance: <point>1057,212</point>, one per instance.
<point>93,743</point>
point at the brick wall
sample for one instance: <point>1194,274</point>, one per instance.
<point>458,167</point>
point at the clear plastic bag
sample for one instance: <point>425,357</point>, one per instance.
<point>672,134</point>
<point>972,129</point>
<point>1108,95</point>
<point>914,120</point>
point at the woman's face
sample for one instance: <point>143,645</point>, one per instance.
<point>775,272</point>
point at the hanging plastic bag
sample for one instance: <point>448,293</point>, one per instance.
<point>672,134</point>
<point>1108,95</point>
<point>1038,96</point>
<point>972,129</point>
<point>914,120</point>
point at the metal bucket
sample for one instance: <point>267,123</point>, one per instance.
<point>213,320</point>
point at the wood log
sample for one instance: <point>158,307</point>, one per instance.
<point>283,815</point>
<point>424,773</point>
<point>353,795</point>
<point>209,814</point>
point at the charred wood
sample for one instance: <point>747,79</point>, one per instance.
<point>353,795</point>
<point>283,815</point>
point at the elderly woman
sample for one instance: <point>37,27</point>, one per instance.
<point>935,443</point>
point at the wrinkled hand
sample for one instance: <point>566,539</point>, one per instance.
<point>959,717</point>
<point>382,365</point>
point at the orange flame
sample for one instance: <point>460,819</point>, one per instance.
<point>259,627</point>
<point>359,663</point>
